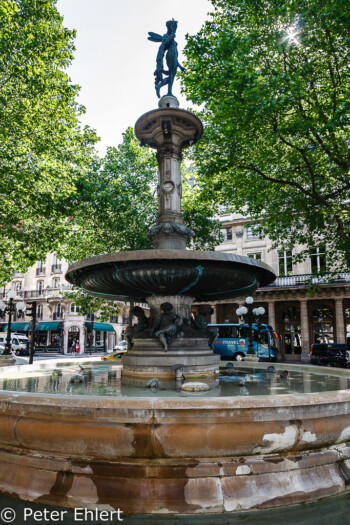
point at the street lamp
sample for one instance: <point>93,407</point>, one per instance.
<point>10,309</point>
<point>252,315</point>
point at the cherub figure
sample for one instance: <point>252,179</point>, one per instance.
<point>168,46</point>
<point>167,325</point>
<point>138,329</point>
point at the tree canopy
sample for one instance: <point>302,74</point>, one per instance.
<point>274,79</point>
<point>43,150</point>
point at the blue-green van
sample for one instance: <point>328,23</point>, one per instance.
<point>233,340</point>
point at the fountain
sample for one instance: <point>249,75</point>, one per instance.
<point>147,450</point>
<point>169,277</point>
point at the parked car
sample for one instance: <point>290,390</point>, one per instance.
<point>333,354</point>
<point>122,345</point>
<point>116,356</point>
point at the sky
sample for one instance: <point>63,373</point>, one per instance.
<point>114,62</point>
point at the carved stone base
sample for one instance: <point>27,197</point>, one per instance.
<point>148,359</point>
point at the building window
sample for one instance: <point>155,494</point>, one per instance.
<point>285,264</point>
<point>318,260</point>
<point>256,256</point>
<point>251,232</point>
<point>74,309</point>
<point>17,286</point>
<point>40,287</point>
<point>56,282</point>
<point>39,311</point>
<point>56,260</point>
<point>226,233</point>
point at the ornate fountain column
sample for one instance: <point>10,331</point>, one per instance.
<point>169,130</point>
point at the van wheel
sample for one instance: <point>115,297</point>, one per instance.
<point>238,357</point>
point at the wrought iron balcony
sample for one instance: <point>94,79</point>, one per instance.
<point>58,316</point>
<point>309,279</point>
<point>40,271</point>
<point>32,294</point>
<point>113,319</point>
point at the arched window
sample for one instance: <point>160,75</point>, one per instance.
<point>323,324</point>
<point>39,311</point>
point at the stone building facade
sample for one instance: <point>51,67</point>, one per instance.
<point>59,320</point>
<point>304,305</point>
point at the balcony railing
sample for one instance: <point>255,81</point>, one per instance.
<point>40,271</point>
<point>31,294</point>
<point>309,279</point>
<point>113,319</point>
<point>57,316</point>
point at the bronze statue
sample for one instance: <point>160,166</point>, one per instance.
<point>139,329</point>
<point>168,46</point>
<point>167,326</point>
<point>201,324</point>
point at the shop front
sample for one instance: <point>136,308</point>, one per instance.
<point>99,337</point>
<point>48,336</point>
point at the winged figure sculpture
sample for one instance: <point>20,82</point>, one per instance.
<point>168,47</point>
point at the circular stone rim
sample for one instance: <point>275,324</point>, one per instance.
<point>186,255</point>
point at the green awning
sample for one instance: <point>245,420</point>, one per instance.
<point>17,327</point>
<point>24,327</point>
<point>50,325</point>
<point>100,327</point>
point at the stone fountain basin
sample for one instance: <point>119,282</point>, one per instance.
<point>187,455</point>
<point>206,276</point>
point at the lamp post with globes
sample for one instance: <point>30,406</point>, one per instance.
<point>10,309</point>
<point>251,315</point>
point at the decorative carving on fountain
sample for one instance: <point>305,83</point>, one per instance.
<point>167,326</point>
<point>170,228</point>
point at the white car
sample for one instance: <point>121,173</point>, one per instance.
<point>122,345</point>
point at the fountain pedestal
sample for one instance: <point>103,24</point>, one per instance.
<point>193,355</point>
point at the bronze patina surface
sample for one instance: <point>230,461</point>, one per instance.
<point>206,276</point>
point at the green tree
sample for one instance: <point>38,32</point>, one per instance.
<point>43,150</point>
<point>274,79</point>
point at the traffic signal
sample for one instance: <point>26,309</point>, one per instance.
<point>31,310</point>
